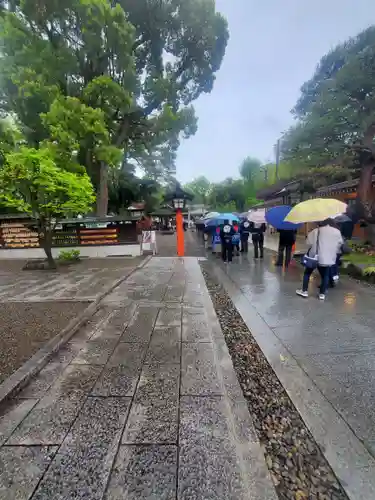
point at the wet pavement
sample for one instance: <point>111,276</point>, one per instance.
<point>332,341</point>
<point>142,403</point>
<point>84,281</point>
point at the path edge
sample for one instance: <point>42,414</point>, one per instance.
<point>20,378</point>
<point>342,449</point>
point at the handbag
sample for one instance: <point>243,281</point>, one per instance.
<point>312,262</point>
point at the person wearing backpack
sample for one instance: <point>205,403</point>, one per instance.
<point>324,243</point>
<point>226,235</point>
<point>257,231</point>
<point>244,232</point>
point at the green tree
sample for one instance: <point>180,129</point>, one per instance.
<point>142,62</point>
<point>228,196</point>
<point>250,169</point>
<point>200,188</point>
<point>32,183</point>
<point>336,118</point>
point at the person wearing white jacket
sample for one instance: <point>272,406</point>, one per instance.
<point>325,242</point>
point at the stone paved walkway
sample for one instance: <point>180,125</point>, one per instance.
<point>142,403</point>
<point>323,354</point>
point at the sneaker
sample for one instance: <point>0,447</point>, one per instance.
<point>322,296</point>
<point>303,294</point>
<point>336,278</point>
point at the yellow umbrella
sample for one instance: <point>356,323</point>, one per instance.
<point>316,210</point>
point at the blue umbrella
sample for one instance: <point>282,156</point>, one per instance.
<point>276,215</point>
<point>217,221</point>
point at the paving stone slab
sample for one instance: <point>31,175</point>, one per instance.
<point>152,421</point>
<point>114,324</point>
<point>174,293</point>
<point>21,469</point>
<point>169,334</point>
<point>169,317</point>
<point>211,463</point>
<point>11,415</point>
<point>144,473</point>
<point>163,352</point>
<point>331,363</point>
<point>141,325</point>
<point>158,381</point>
<point>95,353</point>
<point>199,371</point>
<point>336,338</point>
<point>208,465</point>
<point>89,328</point>
<point>117,381</point>
<point>82,466</point>
<point>195,327</point>
<point>70,350</point>
<point>128,354</point>
<point>40,384</point>
<point>49,421</point>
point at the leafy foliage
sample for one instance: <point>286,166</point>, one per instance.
<point>32,183</point>
<point>335,131</point>
<point>200,188</point>
<point>69,255</point>
<point>141,63</point>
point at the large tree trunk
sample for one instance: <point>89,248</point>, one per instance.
<point>102,194</point>
<point>45,239</point>
<point>365,206</point>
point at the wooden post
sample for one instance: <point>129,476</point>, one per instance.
<point>180,233</point>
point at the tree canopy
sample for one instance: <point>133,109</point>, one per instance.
<point>335,128</point>
<point>141,63</point>
<point>32,183</point>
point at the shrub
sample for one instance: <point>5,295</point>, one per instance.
<point>69,255</point>
<point>369,271</point>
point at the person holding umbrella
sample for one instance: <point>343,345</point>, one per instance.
<point>226,235</point>
<point>287,239</point>
<point>236,238</point>
<point>257,230</point>
<point>324,242</point>
<point>244,233</point>
<point>287,232</point>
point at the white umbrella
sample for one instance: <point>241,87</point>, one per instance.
<point>257,216</point>
<point>211,215</point>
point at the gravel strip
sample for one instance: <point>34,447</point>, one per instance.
<point>26,326</point>
<point>297,466</point>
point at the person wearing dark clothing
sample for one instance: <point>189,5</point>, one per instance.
<point>287,239</point>
<point>226,235</point>
<point>257,235</point>
<point>236,239</point>
<point>244,232</point>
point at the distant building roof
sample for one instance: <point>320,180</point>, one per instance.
<point>340,187</point>
<point>139,206</point>
<point>279,187</point>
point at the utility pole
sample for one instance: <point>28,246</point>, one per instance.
<point>277,158</point>
<point>265,171</point>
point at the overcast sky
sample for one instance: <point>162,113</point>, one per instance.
<point>274,47</point>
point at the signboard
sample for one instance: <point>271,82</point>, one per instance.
<point>148,241</point>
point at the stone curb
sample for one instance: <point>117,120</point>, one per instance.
<point>347,456</point>
<point>245,441</point>
<point>17,381</point>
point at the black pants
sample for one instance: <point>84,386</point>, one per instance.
<point>288,255</point>
<point>245,244</point>
<point>258,247</point>
<point>326,279</point>
<point>227,251</point>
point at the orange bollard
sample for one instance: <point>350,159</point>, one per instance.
<point>180,233</point>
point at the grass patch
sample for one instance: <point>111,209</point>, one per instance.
<point>359,258</point>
